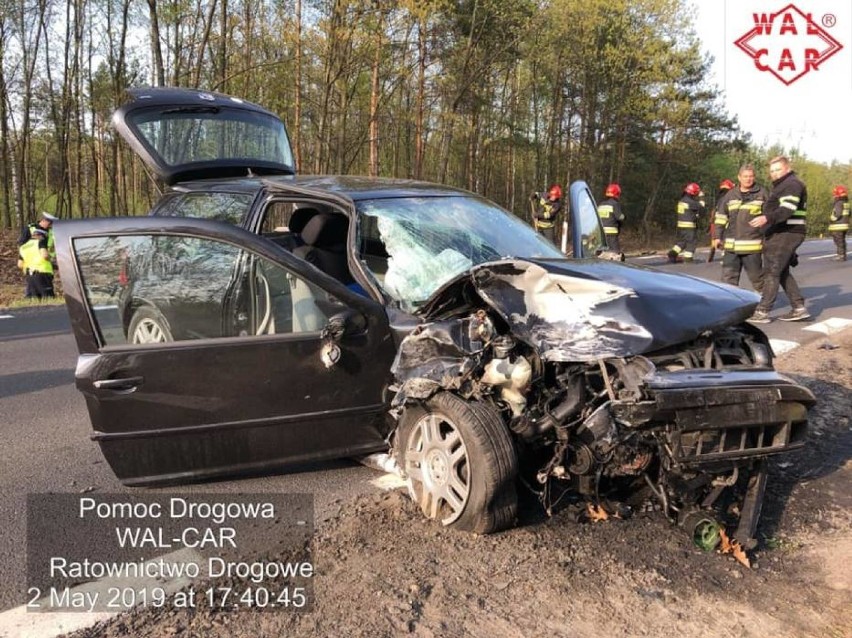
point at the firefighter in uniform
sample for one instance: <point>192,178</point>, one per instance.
<point>785,218</point>
<point>612,217</point>
<point>743,244</point>
<point>37,265</point>
<point>839,220</point>
<point>545,211</point>
<point>689,209</point>
<point>724,187</point>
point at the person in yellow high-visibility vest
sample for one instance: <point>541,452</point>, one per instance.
<point>839,221</point>
<point>37,265</point>
<point>45,222</point>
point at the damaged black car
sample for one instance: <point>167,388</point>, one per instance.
<point>257,319</point>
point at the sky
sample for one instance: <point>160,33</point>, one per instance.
<point>812,112</point>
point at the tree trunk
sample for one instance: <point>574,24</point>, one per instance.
<point>5,155</point>
<point>158,71</point>
<point>297,125</point>
<point>374,94</point>
<point>419,133</point>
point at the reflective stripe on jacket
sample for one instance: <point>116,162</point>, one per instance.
<point>734,213</point>
<point>33,259</point>
<point>839,217</point>
<point>688,211</point>
<point>548,211</point>
<point>787,206</point>
<point>609,210</point>
<point>51,242</point>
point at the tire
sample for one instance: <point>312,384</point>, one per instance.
<point>148,325</point>
<point>462,472</point>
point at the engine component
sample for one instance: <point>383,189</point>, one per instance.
<point>570,404</point>
<point>582,461</point>
<point>480,330</point>
<point>598,428</point>
<point>512,376</point>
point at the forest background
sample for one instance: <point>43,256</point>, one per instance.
<point>502,97</point>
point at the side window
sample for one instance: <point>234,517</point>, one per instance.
<point>276,217</point>
<point>283,222</point>
<point>162,288</point>
<point>226,207</point>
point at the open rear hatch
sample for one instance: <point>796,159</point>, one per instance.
<point>187,134</point>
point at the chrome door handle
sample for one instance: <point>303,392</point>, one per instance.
<point>126,384</point>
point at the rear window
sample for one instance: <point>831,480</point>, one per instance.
<point>225,207</point>
<point>202,134</point>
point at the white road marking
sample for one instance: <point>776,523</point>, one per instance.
<point>830,325</point>
<point>780,346</point>
<point>7,316</point>
<point>822,256</point>
<point>48,624</point>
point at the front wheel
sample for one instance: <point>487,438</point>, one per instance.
<point>459,463</point>
<point>148,325</point>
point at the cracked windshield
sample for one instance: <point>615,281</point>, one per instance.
<point>413,246</point>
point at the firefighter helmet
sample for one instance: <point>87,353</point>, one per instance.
<point>555,191</point>
<point>726,185</point>
<point>692,189</point>
<point>613,190</point>
<point>840,191</point>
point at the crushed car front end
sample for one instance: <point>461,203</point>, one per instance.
<point>620,385</point>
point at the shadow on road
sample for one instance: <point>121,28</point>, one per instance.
<point>26,382</point>
<point>824,298</point>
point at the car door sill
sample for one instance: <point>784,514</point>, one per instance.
<point>237,425</point>
<point>252,469</point>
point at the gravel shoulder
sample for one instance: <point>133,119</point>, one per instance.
<point>383,571</point>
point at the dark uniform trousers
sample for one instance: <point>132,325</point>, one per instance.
<point>548,233</point>
<point>839,237</point>
<point>733,264</point>
<point>687,240</point>
<point>778,252</point>
<point>39,285</point>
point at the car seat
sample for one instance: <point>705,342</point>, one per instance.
<point>290,239</point>
<point>300,218</point>
<point>325,245</point>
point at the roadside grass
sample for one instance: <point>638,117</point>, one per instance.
<point>12,296</point>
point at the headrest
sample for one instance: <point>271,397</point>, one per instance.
<point>300,218</point>
<point>325,229</point>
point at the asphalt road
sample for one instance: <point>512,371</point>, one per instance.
<point>45,427</point>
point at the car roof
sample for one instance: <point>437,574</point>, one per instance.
<point>354,187</point>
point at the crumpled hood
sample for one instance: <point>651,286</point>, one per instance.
<point>581,310</point>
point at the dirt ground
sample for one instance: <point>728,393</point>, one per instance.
<point>11,279</point>
<point>384,571</point>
